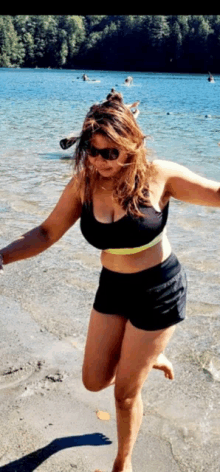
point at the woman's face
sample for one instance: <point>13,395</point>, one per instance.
<point>106,168</point>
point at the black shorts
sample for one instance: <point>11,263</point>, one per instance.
<point>152,299</point>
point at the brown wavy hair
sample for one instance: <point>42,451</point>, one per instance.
<point>114,120</point>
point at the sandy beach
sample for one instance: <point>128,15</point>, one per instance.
<point>48,419</point>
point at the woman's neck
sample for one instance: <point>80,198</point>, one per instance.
<point>105,183</point>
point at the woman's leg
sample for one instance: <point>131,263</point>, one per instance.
<point>139,353</point>
<point>102,351</point>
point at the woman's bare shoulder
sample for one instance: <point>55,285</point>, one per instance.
<point>165,169</point>
<point>162,165</point>
<point>160,170</point>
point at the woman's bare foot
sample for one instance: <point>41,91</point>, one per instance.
<point>162,363</point>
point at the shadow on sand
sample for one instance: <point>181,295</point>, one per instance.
<point>34,459</point>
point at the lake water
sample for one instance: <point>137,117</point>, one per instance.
<point>181,114</point>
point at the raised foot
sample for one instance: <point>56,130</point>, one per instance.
<point>162,363</point>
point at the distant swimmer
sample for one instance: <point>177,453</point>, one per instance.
<point>211,78</point>
<point>87,79</point>
<point>129,80</point>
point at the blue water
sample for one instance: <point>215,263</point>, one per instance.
<point>180,112</point>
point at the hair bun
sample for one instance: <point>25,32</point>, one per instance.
<point>114,96</point>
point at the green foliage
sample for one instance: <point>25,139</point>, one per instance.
<point>181,43</point>
<point>11,49</point>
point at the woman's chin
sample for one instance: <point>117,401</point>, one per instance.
<point>106,172</point>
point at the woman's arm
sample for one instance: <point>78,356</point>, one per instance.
<point>183,184</point>
<point>65,214</point>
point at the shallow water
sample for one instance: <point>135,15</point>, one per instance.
<point>181,115</point>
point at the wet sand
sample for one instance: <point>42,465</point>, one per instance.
<point>48,419</point>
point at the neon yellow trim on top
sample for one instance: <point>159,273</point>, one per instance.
<point>135,250</point>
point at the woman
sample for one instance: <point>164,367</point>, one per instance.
<point>122,200</point>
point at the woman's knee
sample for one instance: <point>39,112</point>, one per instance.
<point>125,399</point>
<point>90,382</point>
<point>93,383</point>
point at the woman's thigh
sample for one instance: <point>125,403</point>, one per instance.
<point>102,350</point>
<point>139,352</point>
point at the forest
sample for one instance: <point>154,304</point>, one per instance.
<point>157,43</point>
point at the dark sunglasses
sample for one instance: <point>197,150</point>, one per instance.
<point>109,154</point>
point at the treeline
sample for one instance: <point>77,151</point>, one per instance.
<point>170,43</point>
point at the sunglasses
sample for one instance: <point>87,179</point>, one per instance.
<point>109,154</point>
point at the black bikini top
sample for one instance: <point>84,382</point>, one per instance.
<point>129,234</point>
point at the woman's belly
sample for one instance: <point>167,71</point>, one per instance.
<point>137,262</point>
